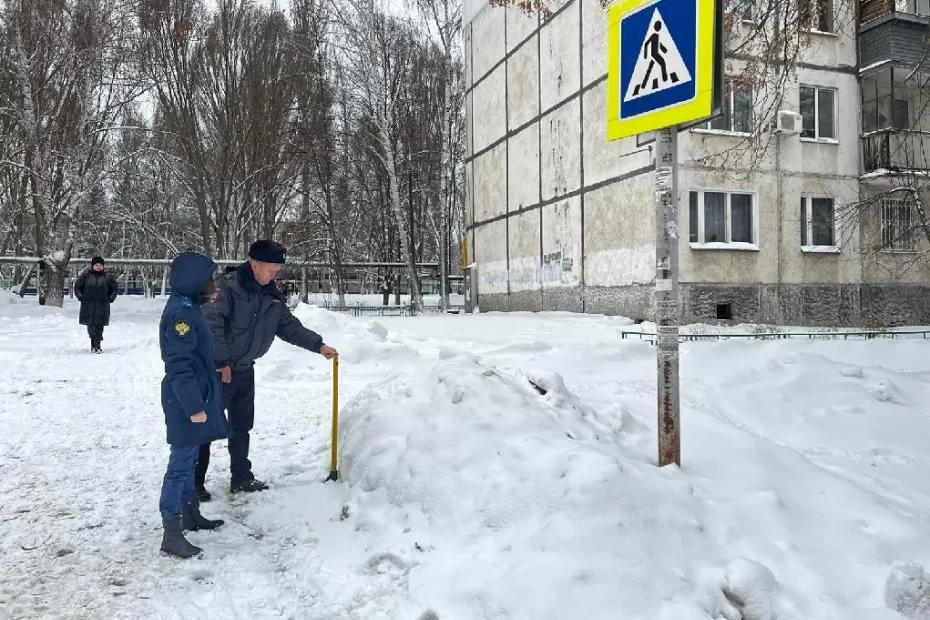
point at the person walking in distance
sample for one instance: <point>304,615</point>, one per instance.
<point>248,314</point>
<point>96,289</point>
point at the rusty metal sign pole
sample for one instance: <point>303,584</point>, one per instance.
<point>667,314</point>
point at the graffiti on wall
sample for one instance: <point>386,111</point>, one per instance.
<point>556,269</point>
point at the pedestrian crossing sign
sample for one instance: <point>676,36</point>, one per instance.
<point>664,57</point>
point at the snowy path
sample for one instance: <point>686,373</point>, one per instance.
<point>465,491</point>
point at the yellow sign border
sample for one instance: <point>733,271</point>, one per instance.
<point>700,107</point>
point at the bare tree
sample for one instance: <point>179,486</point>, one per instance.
<point>445,23</point>
<point>378,49</point>
<point>225,87</point>
<point>68,77</point>
<point>322,114</point>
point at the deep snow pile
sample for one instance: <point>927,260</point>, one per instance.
<point>493,466</point>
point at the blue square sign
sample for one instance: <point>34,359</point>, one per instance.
<point>658,54</point>
<point>662,64</point>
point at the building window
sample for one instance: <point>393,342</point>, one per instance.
<point>721,217</point>
<point>818,111</point>
<point>897,226</point>
<point>914,7</point>
<point>888,98</point>
<point>816,15</point>
<point>817,222</point>
<point>736,116</point>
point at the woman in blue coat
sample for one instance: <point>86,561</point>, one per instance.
<point>190,396</point>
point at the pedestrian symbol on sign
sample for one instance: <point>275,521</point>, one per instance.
<point>660,65</point>
<point>665,66</point>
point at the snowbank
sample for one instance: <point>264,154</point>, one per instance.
<point>492,466</point>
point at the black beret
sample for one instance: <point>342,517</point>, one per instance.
<point>267,251</point>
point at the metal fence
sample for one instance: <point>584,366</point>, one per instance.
<point>837,335</point>
<point>360,311</point>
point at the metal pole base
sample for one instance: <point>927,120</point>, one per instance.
<point>333,476</point>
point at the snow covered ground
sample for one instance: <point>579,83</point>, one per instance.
<point>465,493</point>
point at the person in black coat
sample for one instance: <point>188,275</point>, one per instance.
<point>96,289</point>
<point>191,397</point>
<point>248,314</point>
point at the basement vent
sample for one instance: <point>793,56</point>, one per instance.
<point>725,312</point>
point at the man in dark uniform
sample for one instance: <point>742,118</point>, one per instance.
<point>249,312</point>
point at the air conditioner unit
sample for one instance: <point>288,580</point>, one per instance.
<point>788,122</point>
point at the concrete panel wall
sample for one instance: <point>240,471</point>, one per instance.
<point>491,256</point>
<point>594,41</point>
<point>561,151</point>
<point>469,194</point>
<point>490,184</point>
<point>561,262</point>
<point>519,27</point>
<point>524,168</point>
<point>525,253</point>
<point>523,85</point>
<point>620,234</point>
<point>488,101</point>
<point>560,57</point>
<point>467,67</point>
<point>602,159</point>
<point>469,134</point>
<point>487,40</point>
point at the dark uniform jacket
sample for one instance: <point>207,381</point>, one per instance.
<point>246,318</point>
<point>191,383</point>
<point>96,290</point>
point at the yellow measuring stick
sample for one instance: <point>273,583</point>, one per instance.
<point>333,468</point>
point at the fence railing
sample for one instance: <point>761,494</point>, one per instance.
<point>360,311</point>
<point>896,150</point>
<point>863,335</point>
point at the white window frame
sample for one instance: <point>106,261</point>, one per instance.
<point>808,223</point>
<point>836,104</point>
<point>728,245</point>
<point>731,93</point>
<point>910,247</point>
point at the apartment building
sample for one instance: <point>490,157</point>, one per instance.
<point>810,233</point>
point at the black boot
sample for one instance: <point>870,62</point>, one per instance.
<point>192,520</point>
<point>203,495</point>
<point>249,486</point>
<point>173,541</point>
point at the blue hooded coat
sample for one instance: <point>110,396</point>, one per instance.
<point>191,384</point>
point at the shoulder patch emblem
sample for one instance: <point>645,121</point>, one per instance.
<point>183,328</point>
